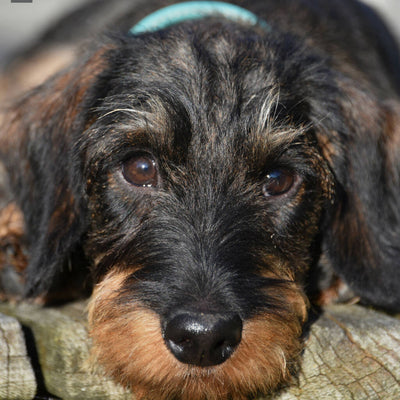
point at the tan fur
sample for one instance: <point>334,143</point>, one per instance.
<point>11,221</point>
<point>128,343</point>
<point>391,139</point>
<point>12,230</point>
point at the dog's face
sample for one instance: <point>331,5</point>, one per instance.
<point>206,195</point>
<point>197,168</point>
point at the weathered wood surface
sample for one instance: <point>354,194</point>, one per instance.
<point>63,348</point>
<point>17,379</point>
<point>352,353</point>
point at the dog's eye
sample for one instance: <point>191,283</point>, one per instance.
<point>140,170</point>
<point>279,182</point>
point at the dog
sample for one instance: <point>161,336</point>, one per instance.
<point>210,180</point>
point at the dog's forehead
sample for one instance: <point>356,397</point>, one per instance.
<point>192,48</point>
<point>202,86</point>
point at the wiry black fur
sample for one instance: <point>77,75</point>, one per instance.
<point>193,96</point>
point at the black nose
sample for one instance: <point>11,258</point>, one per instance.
<point>203,339</point>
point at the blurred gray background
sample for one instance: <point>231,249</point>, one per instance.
<point>22,22</point>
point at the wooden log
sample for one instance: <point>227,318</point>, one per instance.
<point>352,353</point>
<point>17,378</point>
<point>63,348</point>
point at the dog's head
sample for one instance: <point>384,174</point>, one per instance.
<point>203,170</point>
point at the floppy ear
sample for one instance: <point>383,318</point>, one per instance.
<point>36,147</point>
<point>362,240</point>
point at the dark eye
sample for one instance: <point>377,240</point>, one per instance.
<point>140,170</point>
<point>279,182</point>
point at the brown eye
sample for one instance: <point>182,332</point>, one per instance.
<point>140,170</point>
<point>279,182</point>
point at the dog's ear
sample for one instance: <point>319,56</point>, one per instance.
<point>37,148</point>
<point>362,237</point>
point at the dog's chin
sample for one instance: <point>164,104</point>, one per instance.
<point>128,344</point>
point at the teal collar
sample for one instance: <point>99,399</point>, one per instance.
<point>171,15</point>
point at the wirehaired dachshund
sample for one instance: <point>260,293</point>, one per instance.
<point>209,176</point>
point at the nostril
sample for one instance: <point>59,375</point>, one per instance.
<point>203,339</point>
